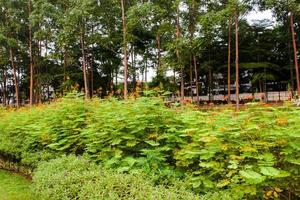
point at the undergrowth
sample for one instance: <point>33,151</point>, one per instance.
<point>252,153</point>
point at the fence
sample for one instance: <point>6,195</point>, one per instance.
<point>270,96</point>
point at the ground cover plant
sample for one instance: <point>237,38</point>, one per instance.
<point>73,178</point>
<point>249,154</point>
<point>14,187</point>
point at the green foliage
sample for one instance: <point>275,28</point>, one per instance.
<point>242,150</point>
<point>246,154</point>
<point>72,178</point>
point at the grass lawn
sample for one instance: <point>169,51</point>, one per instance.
<point>14,187</point>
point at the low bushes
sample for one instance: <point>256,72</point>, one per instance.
<point>251,153</point>
<point>72,178</point>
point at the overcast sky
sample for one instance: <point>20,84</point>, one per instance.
<point>257,15</point>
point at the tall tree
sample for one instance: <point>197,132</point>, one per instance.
<point>229,62</point>
<point>237,84</point>
<point>125,51</point>
<point>295,52</point>
<point>30,56</point>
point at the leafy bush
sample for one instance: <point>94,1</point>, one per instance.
<point>72,178</point>
<point>254,152</point>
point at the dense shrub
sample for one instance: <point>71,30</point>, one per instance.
<point>254,152</point>
<point>72,178</point>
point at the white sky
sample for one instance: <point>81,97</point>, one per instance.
<point>257,15</point>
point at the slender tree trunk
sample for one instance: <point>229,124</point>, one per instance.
<point>210,76</point>
<point>8,91</point>
<point>197,80</point>
<point>229,63</point>
<point>65,64</point>
<point>295,54</point>
<point>146,66</point>
<point>291,67</point>
<point>133,69</point>
<point>15,77</point>
<point>237,61</point>
<point>289,52</point>
<point>86,89</point>
<point>92,76</point>
<point>260,86</point>
<point>125,50</point>
<point>92,68</point>
<point>178,56</point>
<point>47,71</point>
<point>4,87</point>
<point>116,77</point>
<point>30,58</point>
<point>39,91</point>
<point>192,18</point>
<point>158,41</point>
<point>191,76</point>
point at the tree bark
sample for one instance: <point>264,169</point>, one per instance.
<point>229,64</point>
<point>4,87</point>
<point>30,58</point>
<point>237,61</point>
<point>65,64</point>
<point>146,66</point>
<point>15,77</point>
<point>92,68</point>
<point>133,57</point>
<point>191,76</point>
<point>86,89</point>
<point>192,28</point>
<point>178,56</point>
<point>197,80</point>
<point>295,53</point>
<point>158,41</point>
<point>125,50</point>
<point>92,75</point>
<point>210,77</point>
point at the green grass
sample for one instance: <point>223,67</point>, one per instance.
<point>14,187</point>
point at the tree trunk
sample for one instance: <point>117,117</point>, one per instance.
<point>237,61</point>
<point>86,89</point>
<point>210,77</point>
<point>146,66</point>
<point>116,76</point>
<point>159,70</point>
<point>197,80</point>
<point>30,58</point>
<point>4,87</point>
<point>15,77</point>
<point>191,76</point>
<point>192,19</point>
<point>260,86</point>
<point>290,54</point>
<point>229,64</point>
<point>65,64</point>
<point>125,50</point>
<point>133,57</point>
<point>92,68</point>
<point>92,76</point>
<point>178,56</point>
<point>295,54</point>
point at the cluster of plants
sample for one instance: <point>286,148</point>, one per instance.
<point>251,153</point>
<point>77,178</point>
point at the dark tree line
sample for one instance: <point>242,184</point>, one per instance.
<point>106,47</point>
